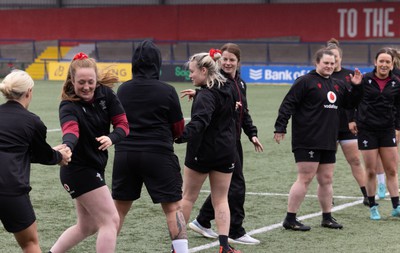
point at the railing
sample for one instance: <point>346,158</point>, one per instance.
<point>253,52</point>
<point>23,52</point>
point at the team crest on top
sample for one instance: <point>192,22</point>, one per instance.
<point>331,97</point>
<point>336,87</point>
<point>103,104</point>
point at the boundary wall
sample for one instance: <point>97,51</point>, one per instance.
<point>309,22</point>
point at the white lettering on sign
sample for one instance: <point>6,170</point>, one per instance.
<point>278,75</point>
<point>348,22</point>
<point>377,22</point>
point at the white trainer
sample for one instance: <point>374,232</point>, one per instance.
<point>246,239</point>
<point>206,232</point>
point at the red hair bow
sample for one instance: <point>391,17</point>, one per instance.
<point>213,51</point>
<point>80,56</point>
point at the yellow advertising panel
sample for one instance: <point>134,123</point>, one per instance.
<point>58,70</point>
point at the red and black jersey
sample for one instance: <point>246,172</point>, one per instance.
<point>313,102</point>
<point>377,109</point>
<point>345,115</point>
<point>82,122</point>
<point>22,141</point>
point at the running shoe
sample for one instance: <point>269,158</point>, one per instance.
<point>375,213</point>
<point>396,212</point>
<point>366,201</point>
<point>206,232</point>
<point>230,250</point>
<point>331,223</point>
<point>381,190</point>
<point>295,225</point>
<point>246,239</point>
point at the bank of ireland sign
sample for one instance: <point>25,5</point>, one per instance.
<point>278,74</point>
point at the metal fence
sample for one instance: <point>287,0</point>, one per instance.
<point>21,53</point>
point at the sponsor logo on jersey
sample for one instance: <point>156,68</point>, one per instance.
<point>332,99</point>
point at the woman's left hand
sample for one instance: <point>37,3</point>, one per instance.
<point>105,142</point>
<point>257,144</point>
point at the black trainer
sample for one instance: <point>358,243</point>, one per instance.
<point>331,223</point>
<point>295,225</point>
<point>366,201</point>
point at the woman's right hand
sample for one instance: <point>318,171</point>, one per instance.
<point>66,155</point>
<point>190,93</point>
<point>278,137</point>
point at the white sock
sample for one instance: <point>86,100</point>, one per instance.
<point>181,246</point>
<point>381,178</point>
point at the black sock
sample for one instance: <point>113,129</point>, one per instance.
<point>364,191</point>
<point>326,216</point>
<point>291,216</point>
<point>223,241</point>
<point>371,201</point>
<point>395,202</point>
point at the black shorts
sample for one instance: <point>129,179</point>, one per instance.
<point>228,168</point>
<point>16,212</point>
<point>344,136</point>
<point>161,174</point>
<point>373,140</point>
<point>80,181</point>
<point>315,155</point>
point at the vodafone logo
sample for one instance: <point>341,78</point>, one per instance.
<point>331,97</point>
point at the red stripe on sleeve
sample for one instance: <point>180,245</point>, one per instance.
<point>177,128</point>
<point>70,127</point>
<point>122,122</point>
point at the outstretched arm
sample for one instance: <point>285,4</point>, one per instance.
<point>190,93</point>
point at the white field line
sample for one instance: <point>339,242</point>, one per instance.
<point>279,225</point>
<point>273,226</point>
<point>53,130</point>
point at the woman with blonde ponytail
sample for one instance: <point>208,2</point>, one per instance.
<point>22,142</point>
<point>210,137</point>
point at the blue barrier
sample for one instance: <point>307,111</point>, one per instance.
<point>279,74</point>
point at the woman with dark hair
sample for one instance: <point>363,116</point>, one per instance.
<point>230,61</point>
<point>313,103</point>
<point>377,122</point>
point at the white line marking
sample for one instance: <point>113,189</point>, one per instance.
<point>53,130</point>
<point>287,195</point>
<point>279,225</point>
